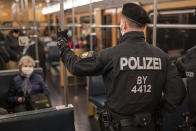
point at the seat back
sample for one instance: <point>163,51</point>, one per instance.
<point>6,77</point>
<point>49,119</point>
<point>96,86</point>
<point>53,53</point>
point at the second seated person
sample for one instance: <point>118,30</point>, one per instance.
<point>26,83</point>
<point>85,39</point>
<point>12,45</point>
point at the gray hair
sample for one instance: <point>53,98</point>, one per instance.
<point>26,59</point>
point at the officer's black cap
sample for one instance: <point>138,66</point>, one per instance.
<point>135,13</point>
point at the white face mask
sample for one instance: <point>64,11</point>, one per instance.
<point>27,70</point>
<point>83,32</point>
<point>121,29</point>
<point>69,33</point>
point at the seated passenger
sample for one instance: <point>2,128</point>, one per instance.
<point>25,84</point>
<point>85,39</point>
<point>12,45</point>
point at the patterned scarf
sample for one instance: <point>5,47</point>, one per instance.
<point>26,86</point>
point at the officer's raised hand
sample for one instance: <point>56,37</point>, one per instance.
<point>62,41</point>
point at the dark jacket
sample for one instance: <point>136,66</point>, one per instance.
<point>15,90</point>
<point>87,46</point>
<point>2,64</point>
<point>4,56</point>
<point>4,52</point>
<point>187,67</point>
<point>2,38</point>
<point>135,75</point>
<point>13,47</point>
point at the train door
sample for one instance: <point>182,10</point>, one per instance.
<point>107,32</point>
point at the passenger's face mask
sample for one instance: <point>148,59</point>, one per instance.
<point>121,32</point>
<point>83,33</point>
<point>27,70</point>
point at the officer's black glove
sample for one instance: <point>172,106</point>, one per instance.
<point>63,46</point>
<point>62,41</point>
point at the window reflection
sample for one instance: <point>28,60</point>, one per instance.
<point>173,41</point>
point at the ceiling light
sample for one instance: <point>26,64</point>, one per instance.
<point>67,5</point>
<point>47,1</point>
<point>40,4</point>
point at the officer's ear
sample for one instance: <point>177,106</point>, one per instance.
<point>126,26</point>
<point>123,25</point>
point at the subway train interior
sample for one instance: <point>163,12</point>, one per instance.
<point>56,100</point>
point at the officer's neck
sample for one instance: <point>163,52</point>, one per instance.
<point>134,29</point>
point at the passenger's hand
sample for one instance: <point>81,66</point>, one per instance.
<point>80,42</point>
<point>20,99</point>
<point>84,42</point>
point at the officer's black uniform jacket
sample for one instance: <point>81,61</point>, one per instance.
<point>187,65</point>
<point>126,93</point>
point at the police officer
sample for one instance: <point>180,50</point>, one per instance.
<point>187,67</point>
<point>135,73</point>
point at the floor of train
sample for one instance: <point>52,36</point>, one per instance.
<point>78,97</point>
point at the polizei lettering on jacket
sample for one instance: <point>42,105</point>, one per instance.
<point>140,63</point>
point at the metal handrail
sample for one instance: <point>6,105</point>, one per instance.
<point>174,12</point>
<point>175,26</point>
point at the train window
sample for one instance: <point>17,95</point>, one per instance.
<point>69,21</point>
<point>86,19</point>
<point>175,41</point>
<point>107,32</point>
<point>7,23</point>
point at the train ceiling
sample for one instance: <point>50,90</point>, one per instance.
<point>118,3</point>
<point>103,4</point>
<point>121,1</point>
<point>103,1</point>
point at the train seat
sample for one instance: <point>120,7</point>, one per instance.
<point>5,78</point>
<point>53,54</point>
<point>49,119</point>
<point>97,91</point>
<point>98,101</point>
